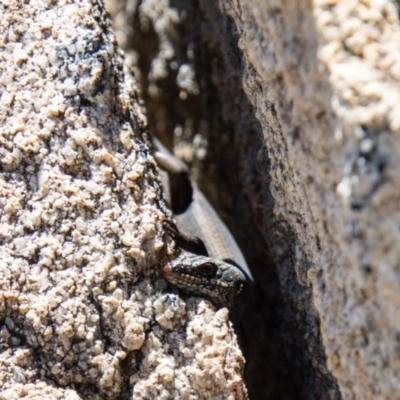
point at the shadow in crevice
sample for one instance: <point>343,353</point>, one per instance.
<point>234,173</point>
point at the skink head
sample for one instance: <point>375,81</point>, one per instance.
<point>220,282</point>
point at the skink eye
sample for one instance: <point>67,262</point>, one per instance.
<point>207,269</point>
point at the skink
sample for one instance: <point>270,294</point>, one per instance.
<point>211,264</point>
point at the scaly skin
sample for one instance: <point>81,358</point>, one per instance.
<point>218,281</point>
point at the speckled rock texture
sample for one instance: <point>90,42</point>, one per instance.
<point>83,311</point>
<point>289,114</point>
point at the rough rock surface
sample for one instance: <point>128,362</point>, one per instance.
<point>83,313</point>
<point>289,114</point>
